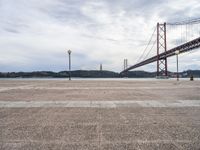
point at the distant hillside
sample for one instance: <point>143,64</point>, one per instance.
<point>62,74</point>
<point>93,74</point>
<point>195,73</point>
<point>90,74</point>
<point>140,74</point>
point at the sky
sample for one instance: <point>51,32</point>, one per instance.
<point>36,34</point>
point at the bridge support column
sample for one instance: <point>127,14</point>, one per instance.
<point>161,47</point>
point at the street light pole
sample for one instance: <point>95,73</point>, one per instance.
<point>177,73</point>
<point>69,52</point>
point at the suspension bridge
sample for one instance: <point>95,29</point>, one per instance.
<point>183,36</point>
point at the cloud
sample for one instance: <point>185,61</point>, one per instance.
<point>35,34</point>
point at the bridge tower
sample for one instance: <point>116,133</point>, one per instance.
<point>161,47</point>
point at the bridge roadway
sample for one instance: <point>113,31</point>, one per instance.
<point>191,45</point>
<point>99,114</point>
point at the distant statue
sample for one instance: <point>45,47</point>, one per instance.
<point>191,78</point>
<point>101,68</point>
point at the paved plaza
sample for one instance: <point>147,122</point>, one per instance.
<point>99,115</point>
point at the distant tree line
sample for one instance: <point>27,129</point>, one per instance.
<point>93,74</point>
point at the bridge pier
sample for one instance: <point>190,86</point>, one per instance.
<point>161,47</point>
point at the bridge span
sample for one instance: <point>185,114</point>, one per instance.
<point>191,45</point>
<point>162,53</point>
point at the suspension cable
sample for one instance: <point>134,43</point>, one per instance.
<point>146,46</point>
<point>185,22</point>
<point>150,49</point>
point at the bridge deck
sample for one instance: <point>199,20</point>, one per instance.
<point>191,45</point>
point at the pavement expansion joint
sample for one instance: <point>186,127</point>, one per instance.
<point>99,104</point>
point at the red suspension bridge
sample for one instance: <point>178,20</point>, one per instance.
<point>189,40</point>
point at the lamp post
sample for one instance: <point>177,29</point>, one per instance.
<point>69,52</point>
<point>177,52</point>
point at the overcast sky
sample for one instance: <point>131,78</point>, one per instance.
<point>36,34</point>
